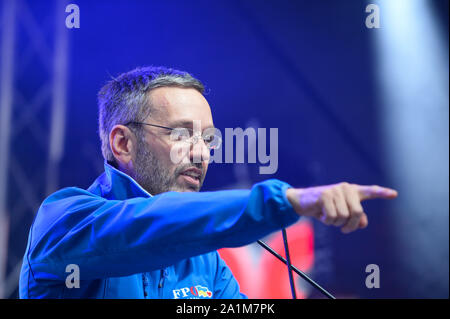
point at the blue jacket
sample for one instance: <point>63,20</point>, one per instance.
<point>126,243</point>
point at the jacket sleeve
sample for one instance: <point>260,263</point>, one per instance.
<point>112,238</point>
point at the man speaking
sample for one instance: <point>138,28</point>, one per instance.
<point>143,229</point>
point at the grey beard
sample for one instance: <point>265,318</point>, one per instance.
<point>154,177</point>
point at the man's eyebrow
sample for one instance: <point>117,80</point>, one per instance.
<point>186,124</point>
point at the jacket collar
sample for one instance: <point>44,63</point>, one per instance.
<point>115,184</point>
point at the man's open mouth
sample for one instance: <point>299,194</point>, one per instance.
<point>192,176</point>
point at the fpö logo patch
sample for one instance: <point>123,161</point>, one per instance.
<point>193,292</point>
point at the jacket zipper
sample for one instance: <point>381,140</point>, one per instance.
<point>161,283</point>
<point>161,279</point>
<point>145,284</point>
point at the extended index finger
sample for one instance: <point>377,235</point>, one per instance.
<point>375,191</point>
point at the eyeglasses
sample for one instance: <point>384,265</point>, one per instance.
<point>210,136</point>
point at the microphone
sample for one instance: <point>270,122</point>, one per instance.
<point>292,267</point>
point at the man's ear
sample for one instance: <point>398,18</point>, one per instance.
<point>123,145</point>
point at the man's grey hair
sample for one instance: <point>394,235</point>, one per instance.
<point>125,99</point>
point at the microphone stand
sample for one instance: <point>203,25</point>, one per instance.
<point>292,267</point>
<point>289,265</point>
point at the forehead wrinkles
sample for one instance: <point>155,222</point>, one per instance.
<point>173,105</point>
<point>158,104</point>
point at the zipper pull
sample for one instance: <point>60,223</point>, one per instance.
<point>145,284</point>
<point>161,279</point>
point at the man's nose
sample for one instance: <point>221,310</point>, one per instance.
<point>199,151</point>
